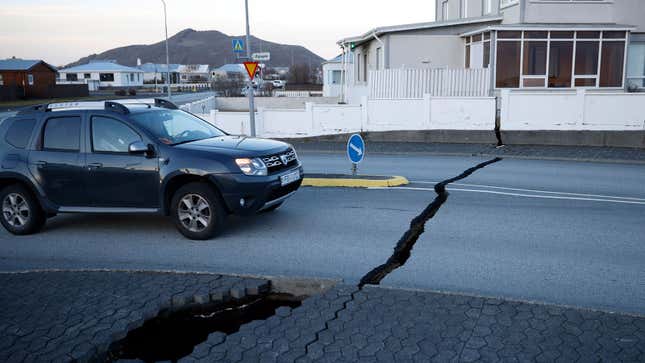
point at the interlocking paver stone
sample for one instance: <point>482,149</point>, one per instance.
<point>75,315</point>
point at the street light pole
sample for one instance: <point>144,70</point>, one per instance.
<point>248,55</point>
<point>165,21</point>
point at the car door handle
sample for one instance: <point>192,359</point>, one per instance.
<point>94,166</point>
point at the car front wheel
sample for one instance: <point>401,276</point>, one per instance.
<point>197,211</point>
<point>21,212</point>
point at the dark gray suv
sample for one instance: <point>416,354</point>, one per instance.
<point>136,156</point>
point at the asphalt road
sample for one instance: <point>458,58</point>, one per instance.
<point>559,232</point>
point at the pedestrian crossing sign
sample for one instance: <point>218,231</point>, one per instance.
<point>238,45</point>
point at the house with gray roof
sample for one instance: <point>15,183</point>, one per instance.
<point>106,73</point>
<point>25,78</point>
<point>157,73</point>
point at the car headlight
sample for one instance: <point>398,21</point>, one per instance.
<point>253,166</point>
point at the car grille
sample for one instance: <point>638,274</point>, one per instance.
<point>282,191</point>
<point>278,162</point>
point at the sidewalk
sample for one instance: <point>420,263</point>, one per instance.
<point>67,316</point>
<point>572,153</point>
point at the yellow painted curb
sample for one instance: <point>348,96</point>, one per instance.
<point>394,181</point>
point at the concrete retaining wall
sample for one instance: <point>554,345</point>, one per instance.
<point>239,104</point>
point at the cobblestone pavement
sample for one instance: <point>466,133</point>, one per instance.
<point>574,153</point>
<point>66,316</point>
<point>376,324</point>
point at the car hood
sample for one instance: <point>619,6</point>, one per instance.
<point>250,146</point>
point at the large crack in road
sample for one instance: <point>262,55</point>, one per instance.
<point>403,248</point>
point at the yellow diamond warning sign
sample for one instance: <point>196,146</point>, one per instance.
<point>251,68</point>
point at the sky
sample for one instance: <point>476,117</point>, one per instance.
<point>63,31</point>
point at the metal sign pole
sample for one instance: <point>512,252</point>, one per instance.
<point>248,54</point>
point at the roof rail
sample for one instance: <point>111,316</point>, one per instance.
<point>160,102</point>
<point>117,107</point>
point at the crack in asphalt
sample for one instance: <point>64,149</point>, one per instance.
<point>403,248</point>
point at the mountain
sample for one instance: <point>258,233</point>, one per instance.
<point>204,47</point>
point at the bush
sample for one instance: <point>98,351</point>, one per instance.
<point>119,92</point>
<point>132,92</point>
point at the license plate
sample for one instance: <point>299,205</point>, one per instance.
<point>290,178</point>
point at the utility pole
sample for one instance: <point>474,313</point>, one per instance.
<point>165,21</point>
<point>248,55</point>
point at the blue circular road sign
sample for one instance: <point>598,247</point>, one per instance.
<point>355,148</point>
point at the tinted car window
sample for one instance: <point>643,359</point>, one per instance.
<point>110,135</point>
<point>62,133</point>
<point>19,132</point>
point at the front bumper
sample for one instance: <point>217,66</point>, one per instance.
<point>258,192</point>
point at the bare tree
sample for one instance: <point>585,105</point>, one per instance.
<point>300,74</point>
<point>229,85</point>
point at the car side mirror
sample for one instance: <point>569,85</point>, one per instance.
<point>139,147</point>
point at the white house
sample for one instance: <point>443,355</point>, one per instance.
<point>231,70</point>
<point>106,73</point>
<point>333,75</point>
<point>523,44</point>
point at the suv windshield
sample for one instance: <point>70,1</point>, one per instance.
<point>174,127</point>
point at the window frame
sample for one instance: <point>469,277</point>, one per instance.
<point>1,80</point>
<point>575,39</point>
<point>91,124</point>
<point>41,142</point>
<point>29,137</point>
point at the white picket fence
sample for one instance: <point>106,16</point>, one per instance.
<point>414,83</point>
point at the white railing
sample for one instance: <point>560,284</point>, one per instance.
<point>414,83</point>
<point>203,106</point>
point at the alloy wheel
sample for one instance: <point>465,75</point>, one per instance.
<point>15,210</point>
<point>194,212</point>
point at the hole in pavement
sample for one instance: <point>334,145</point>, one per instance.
<point>173,335</point>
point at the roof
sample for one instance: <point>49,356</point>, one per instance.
<point>101,67</point>
<point>17,64</point>
<point>550,26</point>
<point>157,67</point>
<point>231,67</point>
<point>418,26</point>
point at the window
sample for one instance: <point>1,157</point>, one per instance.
<point>131,77</point>
<point>106,77</point>
<point>508,64</point>
<point>336,77</point>
<point>636,65</point>
<point>19,133</point>
<point>444,10</point>
<point>486,62</point>
<point>379,54</point>
<point>62,134</point>
<point>110,135</point>
<point>174,126</point>
<point>488,6</point>
<point>30,79</point>
<point>560,61</point>
<point>1,80</point>
<point>87,76</point>
<point>71,77</point>
<point>467,60</point>
<point>364,75</point>
<point>611,66</point>
<point>464,8</point>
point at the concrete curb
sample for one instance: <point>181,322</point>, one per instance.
<point>349,181</point>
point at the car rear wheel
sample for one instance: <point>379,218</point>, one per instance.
<point>21,212</point>
<point>197,211</point>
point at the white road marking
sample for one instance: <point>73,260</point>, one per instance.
<point>519,195</point>
<point>536,191</point>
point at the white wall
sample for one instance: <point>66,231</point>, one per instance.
<point>331,89</point>
<point>426,51</point>
<point>429,113</point>
<point>572,110</point>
